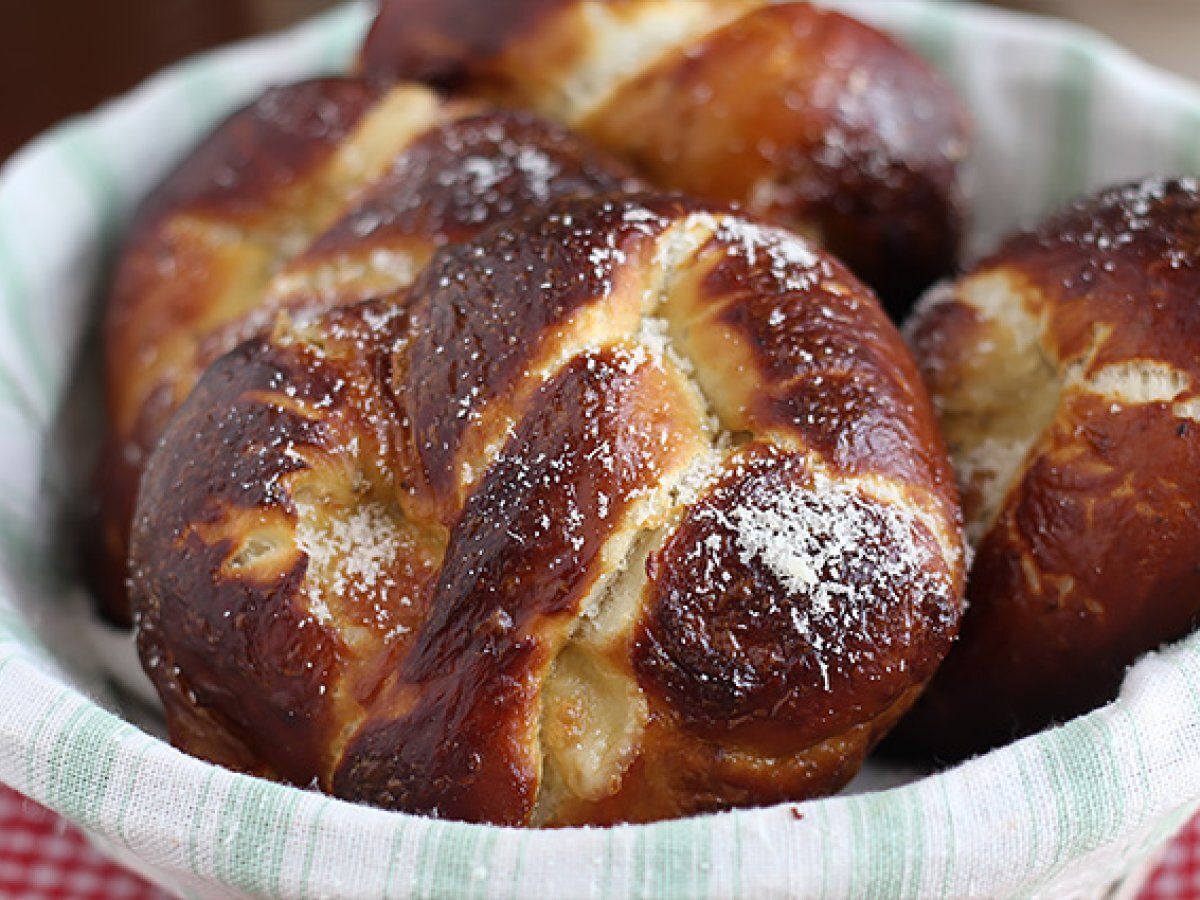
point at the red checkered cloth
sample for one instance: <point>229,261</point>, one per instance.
<point>1177,876</point>
<point>44,858</point>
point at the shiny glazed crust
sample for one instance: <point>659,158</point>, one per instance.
<point>809,118</point>
<point>627,510</point>
<point>317,195</point>
<point>1066,372</point>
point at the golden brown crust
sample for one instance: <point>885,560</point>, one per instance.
<point>594,608</point>
<point>258,151</point>
<point>1088,538</point>
<point>243,177</point>
<point>804,116</point>
<point>458,738</point>
<point>445,43</point>
<point>318,195</point>
<point>478,354</point>
<point>456,179</point>
<point>825,373</point>
<point>270,413</point>
<point>742,651</point>
<point>168,272</point>
<point>815,121</point>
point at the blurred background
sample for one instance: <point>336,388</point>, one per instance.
<point>1166,32</point>
<point>59,57</point>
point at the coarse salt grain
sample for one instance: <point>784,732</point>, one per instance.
<point>345,552</point>
<point>844,551</point>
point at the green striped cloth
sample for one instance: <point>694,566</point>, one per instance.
<point>1065,813</point>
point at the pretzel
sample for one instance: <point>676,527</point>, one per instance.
<point>809,118</point>
<point>319,194</point>
<point>1067,378</point>
<point>630,508</point>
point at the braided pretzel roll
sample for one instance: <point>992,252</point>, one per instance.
<point>632,510</point>
<point>809,118</point>
<point>317,195</point>
<point>1066,372</point>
